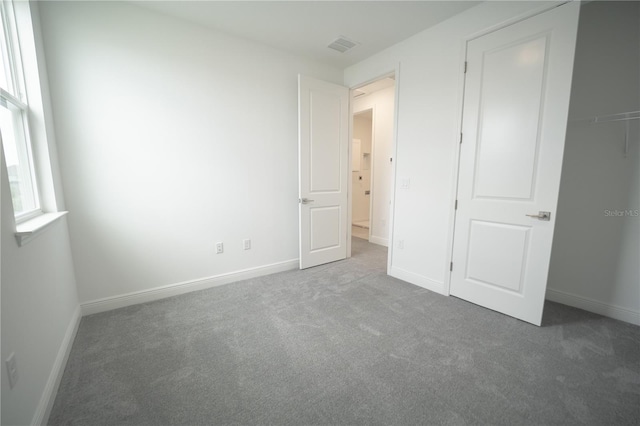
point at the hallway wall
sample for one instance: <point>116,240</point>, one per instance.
<point>383,104</point>
<point>361,180</point>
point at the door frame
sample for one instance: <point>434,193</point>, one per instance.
<point>394,145</point>
<point>464,43</point>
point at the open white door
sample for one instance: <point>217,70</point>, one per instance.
<point>515,115</point>
<point>323,139</point>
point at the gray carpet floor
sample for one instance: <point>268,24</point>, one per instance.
<point>342,344</point>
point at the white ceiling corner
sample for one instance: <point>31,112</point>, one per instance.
<point>306,28</point>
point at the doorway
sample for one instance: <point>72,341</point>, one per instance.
<point>324,154</point>
<point>361,174</point>
<point>371,165</point>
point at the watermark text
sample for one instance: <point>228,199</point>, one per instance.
<point>622,213</point>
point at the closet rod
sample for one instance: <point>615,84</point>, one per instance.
<point>597,120</point>
<point>623,116</point>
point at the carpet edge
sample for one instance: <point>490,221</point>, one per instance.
<point>43,410</point>
<point>157,293</point>
<point>595,306</point>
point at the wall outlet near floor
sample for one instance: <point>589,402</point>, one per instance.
<point>246,244</point>
<point>12,370</point>
<point>219,248</point>
<point>400,244</point>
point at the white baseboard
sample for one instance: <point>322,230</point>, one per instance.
<point>379,240</point>
<point>418,280</point>
<point>134,298</point>
<point>595,306</point>
<point>43,410</point>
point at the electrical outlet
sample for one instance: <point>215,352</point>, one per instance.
<point>405,183</point>
<point>246,244</point>
<point>219,248</point>
<point>12,369</point>
<point>401,244</point>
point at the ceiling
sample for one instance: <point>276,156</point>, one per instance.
<point>306,28</point>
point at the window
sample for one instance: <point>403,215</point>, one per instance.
<point>14,126</point>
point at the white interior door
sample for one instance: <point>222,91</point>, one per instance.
<point>515,114</point>
<point>323,115</point>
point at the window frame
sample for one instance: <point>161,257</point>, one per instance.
<point>14,70</point>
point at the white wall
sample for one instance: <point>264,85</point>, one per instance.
<point>40,308</point>
<point>361,179</point>
<point>382,102</point>
<point>595,256</point>
<point>430,99</point>
<point>172,137</point>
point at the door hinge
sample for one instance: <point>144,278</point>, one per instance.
<point>451,266</point>
<point>456,206</point>
<point>460,137</point>
<point>465,67</point>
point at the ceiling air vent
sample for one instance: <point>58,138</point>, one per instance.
<point>342,44</point>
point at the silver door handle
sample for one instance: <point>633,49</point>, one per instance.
<point>305,200</point>
<point>541,215</point>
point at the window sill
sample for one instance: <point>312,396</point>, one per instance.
<point>30,229</point>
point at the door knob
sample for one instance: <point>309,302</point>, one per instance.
<point>304,201</point>
<point>541,215</point>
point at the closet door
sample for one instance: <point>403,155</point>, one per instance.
<point>515,115</point>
